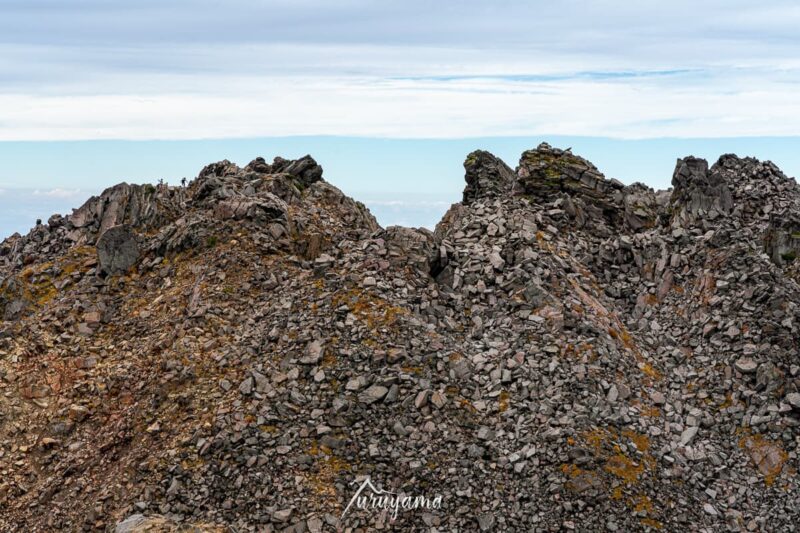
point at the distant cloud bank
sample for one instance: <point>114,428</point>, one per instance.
<point>189,70</point>
<point>20,208</point>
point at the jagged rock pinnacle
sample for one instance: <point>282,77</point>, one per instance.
<point>549,170</point>
<point>698,192</point>
<point>486,176</point>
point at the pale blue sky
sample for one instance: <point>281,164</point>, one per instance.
<point>625,83</point>
<point>409,182</point>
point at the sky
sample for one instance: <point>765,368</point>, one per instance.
<point>136,89</point>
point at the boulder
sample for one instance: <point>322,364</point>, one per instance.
<point>117,250</point>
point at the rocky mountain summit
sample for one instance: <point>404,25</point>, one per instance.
<point>563,352</point>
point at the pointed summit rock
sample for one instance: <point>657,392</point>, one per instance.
<point>486,176</point>
<point>546,171</point>
<point>305,169</point>
<point>590,199</point>
<point>699,194</point>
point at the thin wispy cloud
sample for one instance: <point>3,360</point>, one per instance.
<point>185,70</point>
<point>60,193</point>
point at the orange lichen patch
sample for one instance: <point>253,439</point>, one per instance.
<point>642,503</point>
<point>34,285</point>
<point>192,463</point>
<point>768,456</point>
<point>337,465</point>
<point>580,480</point>
<point>649,371</point>
<point>45,294</point>
<point>650,411</point>
<point>369,308</point>
<point>641,442</point>
<point>651,299</point>
<point>502,402</point>
<point>585,480</point>
<point>606,444</point>
<point>467,405</point>
<point>328,359</point>
<point>729,402</point>
<point>649,522</point>
<point>568,350</point>
<point>370,343</point>
<point>328,469</point>
<point>624,468</point>
<point>627,340</point>
<point>596,438</point>
<point>570,470</point>
<point>617,493</point>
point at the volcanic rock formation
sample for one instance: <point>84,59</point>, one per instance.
<point>563,352</point>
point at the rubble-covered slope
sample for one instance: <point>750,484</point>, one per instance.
<point>562,352</point>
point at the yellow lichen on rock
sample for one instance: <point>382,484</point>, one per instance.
<point>767,455</point>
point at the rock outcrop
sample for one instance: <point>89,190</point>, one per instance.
<point>563,352</point>
<point>486,176</point>
<point>699,194</point>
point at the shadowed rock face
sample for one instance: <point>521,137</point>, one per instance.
<point>563,350</point>
<point>486,176</point>
<point>699,194</point>
<point>117,250</point>
<point>782,240</point>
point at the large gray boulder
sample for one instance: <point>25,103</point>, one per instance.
<point>117,250</point>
